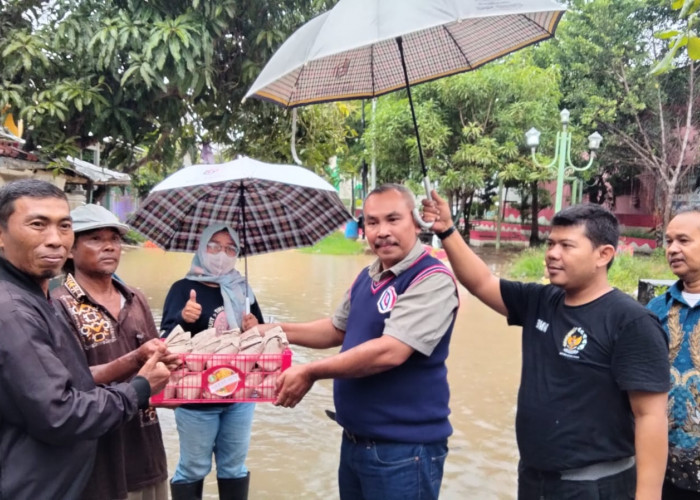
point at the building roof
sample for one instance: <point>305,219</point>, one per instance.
<point>12,149</point>
<point>98,175</point>
<point>12,157</point>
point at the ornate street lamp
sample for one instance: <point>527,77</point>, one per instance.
<point>562,156</point>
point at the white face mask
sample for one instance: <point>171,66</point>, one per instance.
<point>219,264</point>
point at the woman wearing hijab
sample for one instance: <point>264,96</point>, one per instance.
<point>212,295</point>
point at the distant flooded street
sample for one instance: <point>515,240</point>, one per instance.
<point>294,453</point>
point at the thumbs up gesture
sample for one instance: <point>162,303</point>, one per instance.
<point>192,310</point>
<point>155,371</point>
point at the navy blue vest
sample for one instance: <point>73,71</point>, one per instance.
<point>408,403</point>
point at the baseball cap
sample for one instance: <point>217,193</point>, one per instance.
<point>90,216</point>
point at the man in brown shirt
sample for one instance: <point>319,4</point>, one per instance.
<point>117,333</point>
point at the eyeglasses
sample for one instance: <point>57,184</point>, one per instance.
<point>214,247</point>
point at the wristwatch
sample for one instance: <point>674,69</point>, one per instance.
<point>446,232</point>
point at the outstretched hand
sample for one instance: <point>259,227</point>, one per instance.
<point>292,386</point>
<point>145,351</point>
<point>437,210</point>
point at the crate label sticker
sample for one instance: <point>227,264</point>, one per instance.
<point>223,381</point>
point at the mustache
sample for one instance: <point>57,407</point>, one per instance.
<point>384,241</point>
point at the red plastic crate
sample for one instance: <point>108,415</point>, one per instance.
<point>224,378</point>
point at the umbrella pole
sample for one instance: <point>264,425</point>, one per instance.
<point>241,202</point>
<point>426,181</point>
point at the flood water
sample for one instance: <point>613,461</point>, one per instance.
<point>294,452</point>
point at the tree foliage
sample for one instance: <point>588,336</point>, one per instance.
<point>471,128</point>
<point>606,51</point>
<point>162,75</point>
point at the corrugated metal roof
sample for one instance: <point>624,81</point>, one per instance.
<point>98,175</point>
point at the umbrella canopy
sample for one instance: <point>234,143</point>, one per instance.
<point>351,51</point>
<point>273,207</point>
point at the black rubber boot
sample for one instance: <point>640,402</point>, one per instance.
<point>186,491</point>
<point>234,489</point>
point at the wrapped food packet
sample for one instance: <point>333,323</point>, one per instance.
<point>205,341</point>
<point>203,345</point>
<point>274,343</point>
<point>181,348</point>
<point>208,347</point>
<point>177,336</point>
<point>252,382</point>
<point>170,391</point>
<point>196,362</point>
<point>233,331</point>
<point>189,386</point>
<point>266,388</point>
<point>228,346</point>
<point>251,347</point>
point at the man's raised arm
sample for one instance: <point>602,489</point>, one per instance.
<point>470,270</point>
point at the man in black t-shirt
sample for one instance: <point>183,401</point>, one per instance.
<point>595,375</point>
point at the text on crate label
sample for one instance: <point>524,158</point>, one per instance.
<point>226,385</point>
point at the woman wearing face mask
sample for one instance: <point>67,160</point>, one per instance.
<point>212,295</point>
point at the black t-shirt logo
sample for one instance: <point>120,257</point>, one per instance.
<point>574,342</point>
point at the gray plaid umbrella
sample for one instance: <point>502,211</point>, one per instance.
<point>367,48</point>
<point>273,207</point>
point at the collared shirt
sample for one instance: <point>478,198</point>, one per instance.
<point>132,457</point>
<point>51,413</point>
<point>413,320</point>
<point>682,325</point>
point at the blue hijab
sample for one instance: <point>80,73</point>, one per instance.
<point>233,285</point>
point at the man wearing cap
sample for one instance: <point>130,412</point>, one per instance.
<point>118,334</point>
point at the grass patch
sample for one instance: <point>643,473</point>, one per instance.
<point>624,274</point>
<point>527,266</point>
<point>638,232</point>
<point>336,244</point>
<point>627,270</point>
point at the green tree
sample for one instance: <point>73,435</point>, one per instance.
<point>471,126</point>
<point>159,75</point>
<point>493,106</point>
<point>605,50</point>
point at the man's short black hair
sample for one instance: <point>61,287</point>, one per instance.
<point>31,188</point>
<point>600,224</point>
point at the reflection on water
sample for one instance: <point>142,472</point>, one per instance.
<point>294,453</point>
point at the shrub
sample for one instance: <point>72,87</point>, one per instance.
<point>624,274</point>
<point>638,232</point>
<point>527,266</point>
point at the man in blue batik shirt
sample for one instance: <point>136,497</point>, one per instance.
<point>679,312</point>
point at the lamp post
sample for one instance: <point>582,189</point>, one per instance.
<point>562,154</point>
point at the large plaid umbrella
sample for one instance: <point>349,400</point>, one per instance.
<point>273,207</point>
<point>367,48</point>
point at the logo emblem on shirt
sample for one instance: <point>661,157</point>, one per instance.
<point>387,300</point>
<point>574,342</point>
<point>542,326</point>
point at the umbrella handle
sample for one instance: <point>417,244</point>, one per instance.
<point>425,226</point>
